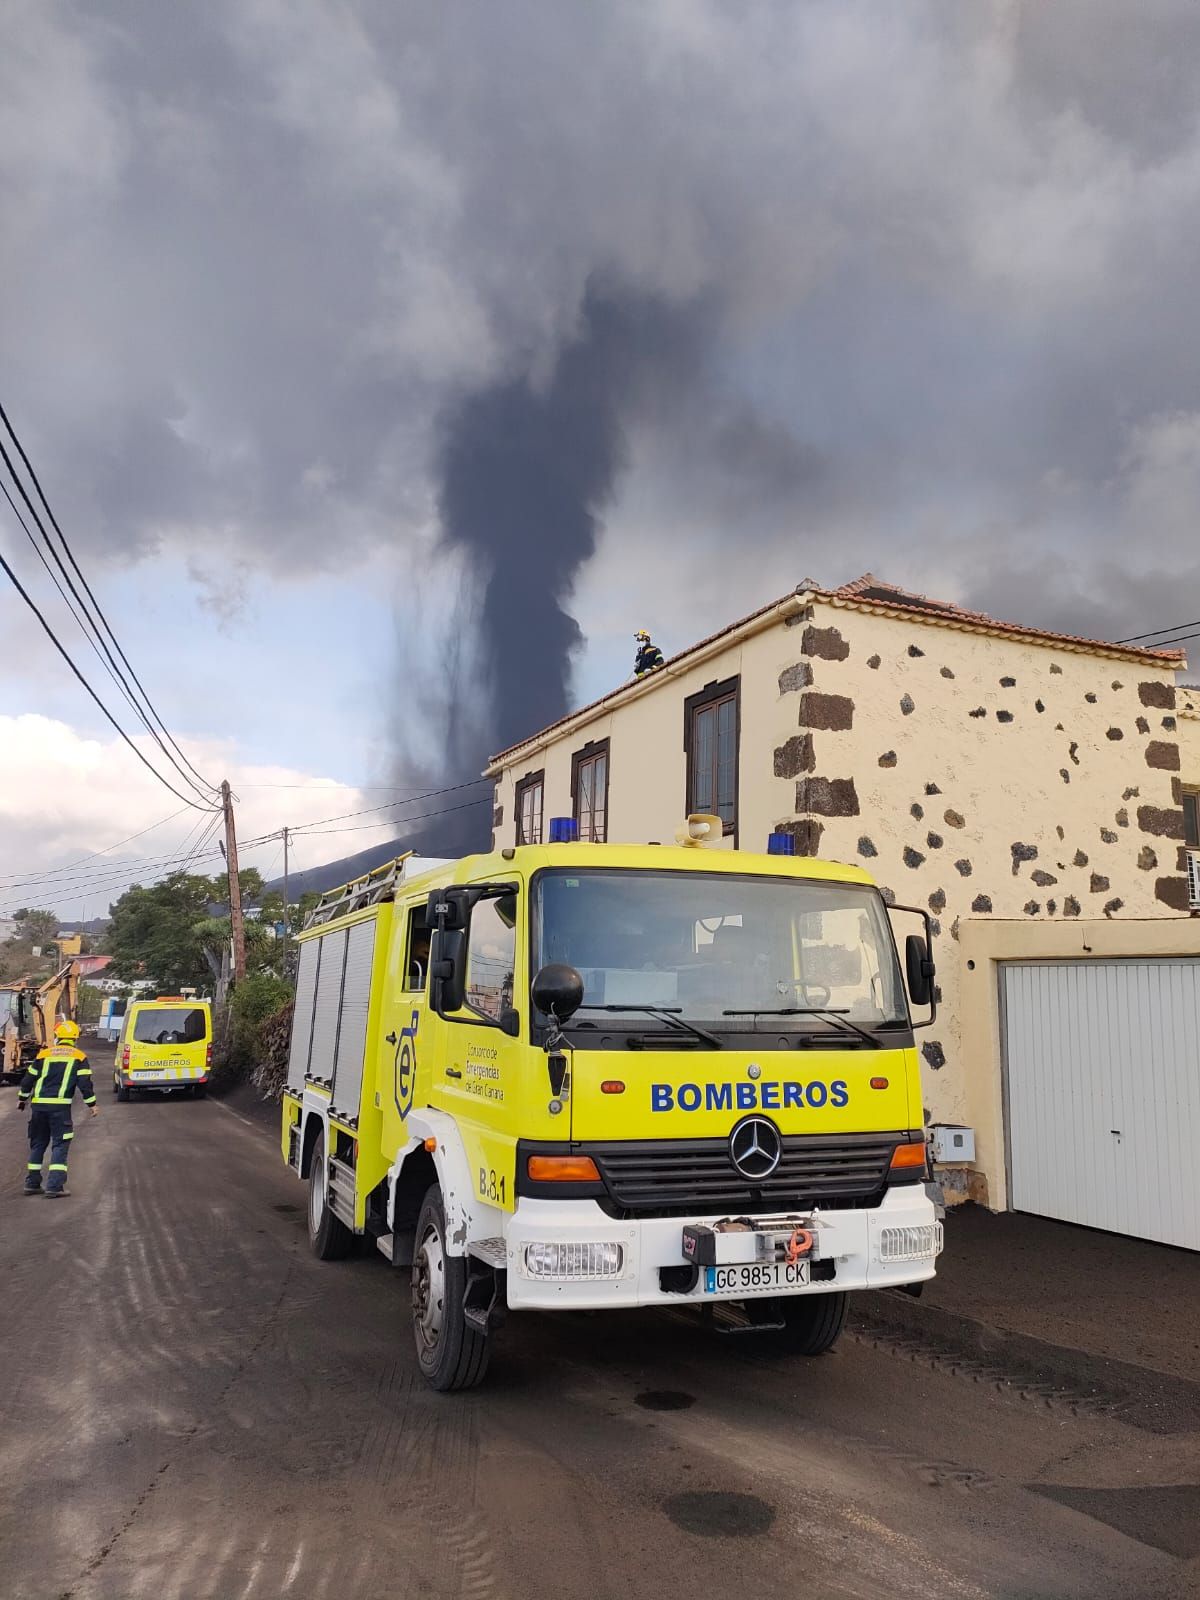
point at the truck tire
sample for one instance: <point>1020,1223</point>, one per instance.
<point>329,1238</point>
<point>451,1354</point>
<point>122,1091</point>
<point>813,1322</point>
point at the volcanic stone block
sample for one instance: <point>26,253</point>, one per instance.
<point>1022,852</point>
<point>873,663</point>
<point>932,788</point>
<point>1158,820</point>
<point>915,650</point>
<point>907,705</point>
<point>1114,733</point>
<point>954,819</point>
<point>1130,794</point>
<point>1147,859</point>
<point>497,816</point>
<point>1080,859</point>
<point>1172,892</point>
<point>935,1056</point>
<point>1117,684</point>
<point>795,757</point>
<point>963,868</point>
<point>1004,716</point>
<point>1122,818</point>
<point>1108,836</point>
<point>1162,755</point>
<point>912,858</point>
<point>1064,774</point>
<point>826,643</point>
<point>1051,906</point>
<point>888,758</point>
<point>1055,669</point>
<point>827,797</point>
<point>1008,683</point>
<point>917,810</point>
<point>1170,724</point>
<point>981,903</point>
<point>1073,752</point>
<point>1161,695</point>
<point>1112,906</point>
<point>1071,906</point>
<point>937,900</point>
<point>946,673</point>
<point>866,847</point>
<point>1098,884</point>
<point>1043,879</point>
<point>1142,725</point>
<point>833,712</point>
<point>979,711</point>
<point>799,676</point>
<point>1038,706</point>
<point>1090,698</point>
<point>934,841</point>
<point>1031,908</point>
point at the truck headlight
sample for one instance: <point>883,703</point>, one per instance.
<point>574,1261</point>
<point>911,1244</point>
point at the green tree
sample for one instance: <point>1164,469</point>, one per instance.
<point>164,932</point>
<point>36,927</point>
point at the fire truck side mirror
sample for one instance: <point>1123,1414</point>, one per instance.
<point>448,970</point>
<point>919,965</point>
<point>448,908</point>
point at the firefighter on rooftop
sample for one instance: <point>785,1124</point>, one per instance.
<point>51,1080</point>
<point>649,656</point>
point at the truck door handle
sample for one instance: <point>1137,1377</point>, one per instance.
<point>453,1072</point>
<point>389,1038</point>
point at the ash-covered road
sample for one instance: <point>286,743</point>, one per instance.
<point>194,1407</point>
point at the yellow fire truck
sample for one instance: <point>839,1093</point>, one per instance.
<point>581,1076</point>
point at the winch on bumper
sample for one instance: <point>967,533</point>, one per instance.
<point>570,1255</point>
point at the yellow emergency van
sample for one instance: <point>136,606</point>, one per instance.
<point>591,1076</point>
<point>164,1045</point>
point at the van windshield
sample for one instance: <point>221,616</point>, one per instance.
<point>704,945</point>
<point>162,1025</point>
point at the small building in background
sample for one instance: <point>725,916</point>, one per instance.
<point>1034,792</point>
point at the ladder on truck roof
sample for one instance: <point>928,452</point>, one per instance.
<point>371,889</point>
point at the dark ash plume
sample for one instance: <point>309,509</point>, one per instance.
<point>525,471</point>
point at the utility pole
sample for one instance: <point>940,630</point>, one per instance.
<point>235,888</point>
<point>287,919</point>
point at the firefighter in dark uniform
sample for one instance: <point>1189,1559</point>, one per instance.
<point>50,1081</point>
<point>649,657</point>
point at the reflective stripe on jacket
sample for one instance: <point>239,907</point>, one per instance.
<point>52,1079</point>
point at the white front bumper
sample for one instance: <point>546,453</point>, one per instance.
<point>852,1239</point>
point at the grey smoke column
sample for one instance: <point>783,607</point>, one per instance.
<point>525,471</point>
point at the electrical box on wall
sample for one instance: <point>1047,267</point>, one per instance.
<point>950,1141</point>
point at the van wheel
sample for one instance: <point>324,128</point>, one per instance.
<point>329,1238</point>
<point>199,1090</point>
<point>813,1322</point>
<point>122,1091</point>
<point>452,1355</point>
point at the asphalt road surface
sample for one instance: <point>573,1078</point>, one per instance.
<point>195,1407</point>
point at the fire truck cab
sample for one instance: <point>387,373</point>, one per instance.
<point>584,1076</point>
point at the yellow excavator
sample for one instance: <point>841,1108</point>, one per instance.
<point>28,1012</point>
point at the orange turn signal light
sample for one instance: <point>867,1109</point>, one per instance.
<point>612,1086</point>
<point>879,1083</point>
<point>563,1169</point>
<point>909,1155</point>
<point>431,1145</point>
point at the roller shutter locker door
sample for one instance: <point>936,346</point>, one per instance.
<point>356,1003</point>
<point>1102,1083</point>
<point>329,1004</point>
<point>302,1015</point>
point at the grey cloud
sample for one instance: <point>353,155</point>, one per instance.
<point>278,263</point>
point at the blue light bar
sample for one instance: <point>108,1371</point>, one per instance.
<point>564,830</point>
<point>781,844</point>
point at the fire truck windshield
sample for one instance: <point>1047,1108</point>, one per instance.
<point>707,946</point>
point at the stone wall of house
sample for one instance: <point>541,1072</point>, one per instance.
<point>979,776</point>
<point>1187,709</point>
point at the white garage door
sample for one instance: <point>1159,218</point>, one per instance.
<point>1102,1070</point>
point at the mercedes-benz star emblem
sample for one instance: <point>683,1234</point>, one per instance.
<point>755,1148</point>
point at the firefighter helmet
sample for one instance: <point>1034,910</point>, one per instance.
<point>66,1031</point>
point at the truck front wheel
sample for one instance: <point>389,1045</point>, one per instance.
<point>328,1236</point>
<point>813,1322</point>
<point>452,1354</point>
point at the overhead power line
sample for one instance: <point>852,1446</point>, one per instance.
<point>1156,633</point>
<point>311,831</point>
<point>92,855</point>
<point>206,788</point>
<point>106,713</point>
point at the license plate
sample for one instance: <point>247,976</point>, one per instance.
<point>142,1072</point>
<point>760,1277</point>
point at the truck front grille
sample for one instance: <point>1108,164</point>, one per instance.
<point>677,1177</point>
